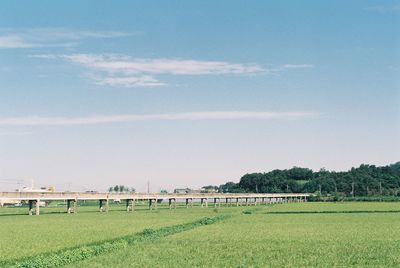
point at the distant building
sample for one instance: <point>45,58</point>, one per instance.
<point>196,191</point>
<point>189,191</point>
<point>209,189</point>
<point>182,191</point>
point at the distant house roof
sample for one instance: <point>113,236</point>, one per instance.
<point>182,190</point>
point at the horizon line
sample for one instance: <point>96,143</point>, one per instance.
<point>126,118</point>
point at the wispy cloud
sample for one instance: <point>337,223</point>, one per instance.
<point>128,81</point>
<point>383,9</point>
<point>106,119</point>
<point>125,65</point>
<point>119,70</point>
<point>279,69</point>
<point>50,37</point>
<point>14,41</point>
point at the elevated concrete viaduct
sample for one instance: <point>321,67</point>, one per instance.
<point>71,198</point>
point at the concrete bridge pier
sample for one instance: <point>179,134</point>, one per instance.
<point>71,206</point>
<point>31,203</point>
<point>170,205</point>
<point>255,201</point>
<point>130,205</point>
<point>104,205</point>
<point>153,204</point>
<point>204,202</point>
<point>189,202</point>
<point>215,202</point>
<point>247,201</point>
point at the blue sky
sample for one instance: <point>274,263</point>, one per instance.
<point>190,93</point>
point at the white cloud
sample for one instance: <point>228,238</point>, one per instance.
<point>50,37</point>
<point>277,70</point>
<point>385,9</point>
<point>130,81</point>
<point>105,119</point>
<point>296,66</point>
<point>117,70</point>
<point>126,65</point>
<point>120,70</point>
<point>14,41</point>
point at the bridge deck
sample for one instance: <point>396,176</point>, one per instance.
<point>44,196</point>
<point>34,198</point>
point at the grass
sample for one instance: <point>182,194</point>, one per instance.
<point>335,207</point>
<point>68,256</point>
<point>272,240</point>
<point>253,237</point>
<point>23,235</point>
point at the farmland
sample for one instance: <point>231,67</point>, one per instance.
<point>296,234</point>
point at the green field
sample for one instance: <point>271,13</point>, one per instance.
<point>284,235</point>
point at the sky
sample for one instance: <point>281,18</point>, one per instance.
<point>193,93</point>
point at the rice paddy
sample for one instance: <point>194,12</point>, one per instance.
<point>282,235</point>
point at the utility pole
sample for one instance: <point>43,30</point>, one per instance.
<point>320,189</point>
<point>148,187</point>
<point>352,188</point>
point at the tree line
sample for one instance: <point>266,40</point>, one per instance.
<point>121,189</point>
<point>365,180</point>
